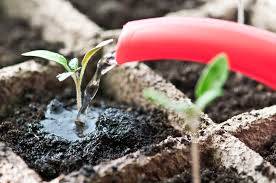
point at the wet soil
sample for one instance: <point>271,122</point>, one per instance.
<point>120,129</point>
<point>112,14</point>
<point>241,94</point>
<point>269,151</point>
<point>17,37</point>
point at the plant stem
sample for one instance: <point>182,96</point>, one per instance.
<point>194,119</point>
<point>78,91</point>
<point>195,160</point>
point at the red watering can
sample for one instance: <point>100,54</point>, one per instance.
<point>251,51</point>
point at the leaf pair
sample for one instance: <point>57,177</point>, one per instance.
<point>73,65</point>
<point>208,87</point>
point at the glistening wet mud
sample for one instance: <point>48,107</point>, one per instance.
<point>60,121</point>
<point>241,94</point>
<point>119,130</point>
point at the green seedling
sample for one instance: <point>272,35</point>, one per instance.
<point>208,88</point>
<point>72,67</point>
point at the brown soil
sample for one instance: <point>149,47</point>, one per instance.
<point>119,130</point>
<point>215,175</point>
<point>269,151</point>
<point>17,37</point>
<point>112,14</point>
<point>210,172</point>
<point>241,94</point>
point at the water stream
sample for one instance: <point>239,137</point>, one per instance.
<point>104,65</point>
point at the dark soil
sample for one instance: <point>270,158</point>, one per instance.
<point>241,94</point>
<point>17,37</point>
<point>112,14</point>
<point>119,130</point>
<point>214,174</point>
<point>210,172</point>
<point>269,151</point>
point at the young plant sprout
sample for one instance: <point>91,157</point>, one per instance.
<point>208,88</point>
<point>71,67</point>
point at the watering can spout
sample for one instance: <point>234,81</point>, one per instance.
<point>251,51</point>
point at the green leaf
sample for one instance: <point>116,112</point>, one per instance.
<point>65,75</point>
<point>213,76</point>
<point>74,64</point>
<point>156,97</point>
<point>93,51</point>
<point>207,98</point>
<point>161,99</point>
<point>49,56</point>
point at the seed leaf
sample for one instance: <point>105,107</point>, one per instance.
<point>104,43</point>
<point>63,76</point>
<point>49,56</point>
<point>93,51</point>
<point>207,98</point>
<point>213,77</point>
<point>159,98</point>
<point>156,97</point>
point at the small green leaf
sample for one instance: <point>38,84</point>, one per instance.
<point>161,99</point>
<point>104,43</point>
<point>207,98</point>
<point>93,51</point>
<point>49,56</point>
<point>156,97</point>
<point>74,64</point>
<point>213,76</point>
<point>65,75</point>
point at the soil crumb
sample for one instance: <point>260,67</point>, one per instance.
<point>241,94</point>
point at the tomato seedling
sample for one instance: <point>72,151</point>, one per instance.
<point>208,88</point>
<point>71,67</point>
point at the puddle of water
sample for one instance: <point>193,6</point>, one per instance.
<point>60,121</point>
